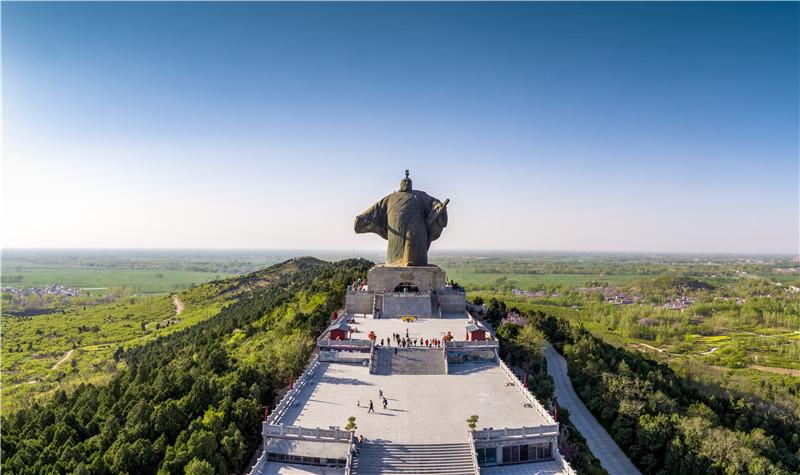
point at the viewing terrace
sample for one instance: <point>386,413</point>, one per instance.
<point>424,407</point>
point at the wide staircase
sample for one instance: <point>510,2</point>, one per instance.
<point>446,459</point>
<point>408,361</point>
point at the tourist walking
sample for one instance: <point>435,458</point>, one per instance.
<point>385,403</point>
<point>371,407</point>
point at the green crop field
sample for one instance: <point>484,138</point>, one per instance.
<point>486,281</point>
<point>138,280</point>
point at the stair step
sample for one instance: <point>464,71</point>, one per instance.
<point>404,459</point>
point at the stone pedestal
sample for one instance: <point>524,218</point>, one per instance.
<point>387,279</point>
<point>400,291</point>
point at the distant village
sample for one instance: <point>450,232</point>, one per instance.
<point>52,290</point>
<point>613,296</point>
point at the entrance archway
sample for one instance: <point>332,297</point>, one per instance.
<point>406,287</point>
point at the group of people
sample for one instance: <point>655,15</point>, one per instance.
<point>357,441</point>
<point>371,407</point>
<point>455,285</point>
<point>407,342</point>
<point>358,285</point>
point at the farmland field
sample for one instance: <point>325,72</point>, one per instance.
<point>485,281</point>
<point>138,280</point>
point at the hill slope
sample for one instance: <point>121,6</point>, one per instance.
<point>191,393</point>
<point>81,344</point>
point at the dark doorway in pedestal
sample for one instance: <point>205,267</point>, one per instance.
<point>406,287</point>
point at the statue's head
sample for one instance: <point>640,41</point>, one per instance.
<point>405,183</point>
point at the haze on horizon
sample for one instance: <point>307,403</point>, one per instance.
<point>587,127</point>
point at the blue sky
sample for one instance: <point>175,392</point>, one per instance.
<point>567,126</point>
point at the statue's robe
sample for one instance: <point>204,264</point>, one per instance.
<point>407,220</point>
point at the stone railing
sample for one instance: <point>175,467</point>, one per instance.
<point>515,433</point>
<point>260,464</point>
<point>290,396</point>
<point>565,466</point>
<point>473,455</point>
<point>527,394</point>
<point>472,344</point>
<point>280,430</point>
<point>362,345</point>
<point>348,466</point>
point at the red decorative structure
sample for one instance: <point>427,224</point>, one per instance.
<point>340,331</point>
<point>475,333</point>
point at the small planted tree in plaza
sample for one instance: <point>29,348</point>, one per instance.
<point>351,424</point>
<point>472,422</point>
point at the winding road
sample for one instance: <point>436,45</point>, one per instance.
<point>600,443</point>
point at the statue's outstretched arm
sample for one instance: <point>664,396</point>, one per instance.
<point>373,220</point>
<point>437,219</point>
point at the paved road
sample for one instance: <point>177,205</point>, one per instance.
<point>600,443</point>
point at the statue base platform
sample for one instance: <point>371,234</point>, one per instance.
<point>389,279</point>
<point>393,292</point>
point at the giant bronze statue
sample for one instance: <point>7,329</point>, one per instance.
<point>410,220</point>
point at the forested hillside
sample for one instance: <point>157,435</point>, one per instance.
<point>191,401</point>
<point>662,423</point>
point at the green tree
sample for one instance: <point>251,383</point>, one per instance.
<point>198,467</point>
<point>351,424</point>
<point>472,422</point>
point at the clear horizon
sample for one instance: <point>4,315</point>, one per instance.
<point>381,251</point>
<point>666,128</point>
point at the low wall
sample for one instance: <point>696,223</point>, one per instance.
<point>397,305</point>
<point>459,352</point>
<point>358,302</point>
<point>452,301</point>
<point>518,433</point>
<point>461,356</point>
<point>333,356</point>
<point>275,430</point>
<point>326,447</point>
<point>344,345</point>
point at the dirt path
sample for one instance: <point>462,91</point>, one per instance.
<point>178,304</point>
<point>65,358</point>
<point>654,348</point>
<point>772,369</point>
